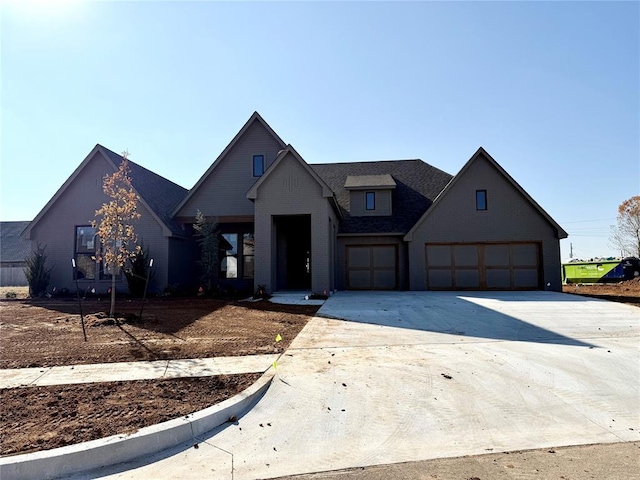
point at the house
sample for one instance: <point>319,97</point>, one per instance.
<point>289,225</point>
<point>64,224</point>
<point>14,251</point>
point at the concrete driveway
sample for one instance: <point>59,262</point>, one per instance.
<point>395,377</point>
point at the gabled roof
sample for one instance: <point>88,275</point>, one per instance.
<point>481,152</point>
<point>156,193</point>
<point>255,117</point>
<point>360,182</point>
<point>417,184</point>
<point>13,248</point>
<point>252,194</point>
<point>160,195</point>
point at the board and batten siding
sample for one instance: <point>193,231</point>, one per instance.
<point>224,191</point>
<point>509,217</point>
<point>76,206</point>
<point>291,190</point>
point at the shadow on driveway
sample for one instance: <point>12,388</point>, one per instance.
<point>472,314</point>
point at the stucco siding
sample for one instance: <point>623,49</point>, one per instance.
<point>291,190</point>
<point>76,207</point>
<point>509,217</point>
<point>223,193</point>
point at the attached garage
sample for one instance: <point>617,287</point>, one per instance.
<point>483,266</point>
<point>372,267</point>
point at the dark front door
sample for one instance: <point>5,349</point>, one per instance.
<point>294,252</point>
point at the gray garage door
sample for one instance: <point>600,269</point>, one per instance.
<point>372,267</point>
<point>495,266</point>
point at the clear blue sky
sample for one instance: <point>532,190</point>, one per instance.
<point>551,90</point>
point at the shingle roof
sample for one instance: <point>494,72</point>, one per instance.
<point>13,248</point>
<point>369,181</point>
<point>160,194</point>
<point>417,185</point>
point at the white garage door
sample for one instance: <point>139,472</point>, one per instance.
<point>494,266</point>
<point>372,267</point>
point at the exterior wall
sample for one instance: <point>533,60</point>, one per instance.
<point>224,192</point>
<point>509,218</point>
<point>291,190</point>
<point>403,264</point>
<point>357,203</point>
<point>76,207</point>
<point>12,274</point>
<point>183,271</point>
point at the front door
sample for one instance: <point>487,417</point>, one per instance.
<point>294,252</point>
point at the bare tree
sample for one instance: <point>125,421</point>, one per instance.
<point>115,229</point>
<point>625,235</point>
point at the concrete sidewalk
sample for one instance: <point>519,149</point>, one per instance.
<point>113,372</point>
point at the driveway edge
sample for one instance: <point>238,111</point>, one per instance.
<point>81,457</point>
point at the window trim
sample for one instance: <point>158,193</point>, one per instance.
<point>262,165</point>
<point>371,195</point>
<point>481,201</point>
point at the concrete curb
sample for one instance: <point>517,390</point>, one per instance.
<point>73,459</point>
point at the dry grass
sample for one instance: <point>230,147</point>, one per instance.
<point>20,292</point>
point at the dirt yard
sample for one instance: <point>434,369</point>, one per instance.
<point>624,292</point>
<point>43,333</point>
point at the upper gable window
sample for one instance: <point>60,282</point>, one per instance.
<point>481,199</point>
<point>370,201</point>
<point>258,165</point>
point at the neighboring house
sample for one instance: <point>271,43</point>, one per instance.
<point>289,225</point>
<point>14,251</point>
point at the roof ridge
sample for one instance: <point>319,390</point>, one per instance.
<point>372,161</point>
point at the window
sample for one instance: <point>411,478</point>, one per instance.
<point>258,165</point>
<point>229,255</point>
<point>248,255</point>
<point>370,200</point>
<point>84,252</point>
<point>481,199</point>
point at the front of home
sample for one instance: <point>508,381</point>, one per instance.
<point>289,225</point>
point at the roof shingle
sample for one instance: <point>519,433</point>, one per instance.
<point>160,194</point>
<point>417,185</point>
<point>13,248</point>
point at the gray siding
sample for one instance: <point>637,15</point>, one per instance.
<point>509,218</point>
<point>352,240</point>
<point>291,190</point>
<point>75,207</point>
<point>224,192</point>
<point>357,203</point>
<point>12,274</point>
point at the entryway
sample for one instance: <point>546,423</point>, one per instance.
<point>293,252</point>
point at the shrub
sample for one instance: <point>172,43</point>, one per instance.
<point>11,294</point>
<point>137,274</point>
<point>38,275</point>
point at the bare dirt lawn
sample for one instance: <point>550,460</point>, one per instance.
<point>624,292</point>
<point>42,333</point>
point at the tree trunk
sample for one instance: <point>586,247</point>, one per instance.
<point>113,294</point>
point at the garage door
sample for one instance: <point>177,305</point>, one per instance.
<point>495,266</point>
<point>372,267</point>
